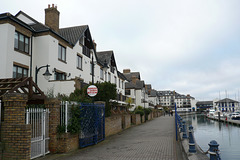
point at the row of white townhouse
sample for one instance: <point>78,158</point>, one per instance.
<point>169,99</point>
<point>29,47</point>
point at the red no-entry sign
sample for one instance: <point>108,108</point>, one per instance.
<point>92,91</point>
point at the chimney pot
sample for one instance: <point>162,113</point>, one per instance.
<point>134,79</point>
<point>126,71</point>
<point>52,17</point>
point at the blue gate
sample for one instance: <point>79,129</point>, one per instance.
<point>92,124</point>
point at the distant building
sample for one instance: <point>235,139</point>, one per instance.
<point>152,96</point>
<point>227,105</point>
<point>204,104</point>
<point>135,88</point>
<point>170,98</point>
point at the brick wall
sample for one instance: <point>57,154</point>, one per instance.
<point>154,114</point>
<point>54,120</point>
<point>143,118</point>
<point>16,135</point>
<point>67,142</point>
<point>150,116</point>
<point>126,121</point>
<point>59,143</point>
<point>113,125</point>
<point>159,114</point>
<point>136,119</point>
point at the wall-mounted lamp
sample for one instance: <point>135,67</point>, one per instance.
<point>46,75</point>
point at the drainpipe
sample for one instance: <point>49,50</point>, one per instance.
<point>31,58</point>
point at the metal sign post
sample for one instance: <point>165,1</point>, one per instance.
<point>176,122</point>
<point>92,90</point>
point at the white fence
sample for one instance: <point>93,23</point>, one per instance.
<point>65,113</point>
<point>39,119</point>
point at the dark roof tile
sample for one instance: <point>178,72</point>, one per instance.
<point>120,75</point>
<point>105,55</point>
<point>73,34</point>
<point>226,100</point>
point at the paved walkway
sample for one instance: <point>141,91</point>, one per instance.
<point>153,140</point>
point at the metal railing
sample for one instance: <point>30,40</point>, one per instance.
<point>65,113</point>
<point>38,118</point>
<point>86,51</point>
<point>213,150</point>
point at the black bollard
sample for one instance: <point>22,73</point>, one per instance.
<point>213,150</point>
<point>191,142</point>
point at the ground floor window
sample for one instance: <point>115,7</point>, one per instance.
<point>19,72</point>
<point>60,76</point>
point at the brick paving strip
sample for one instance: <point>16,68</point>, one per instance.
<point>153,140</point>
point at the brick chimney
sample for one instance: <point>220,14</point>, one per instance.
<point>126,71</point>
<point>52,17</point>
<point>134,79</point>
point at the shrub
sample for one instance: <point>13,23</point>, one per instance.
<point>141,112</point>
<point>75,120</point>
<point>147,111</point>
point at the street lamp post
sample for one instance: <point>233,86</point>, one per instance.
<point>176,129</point>
<point>46,75</point>
<point>144,104</point>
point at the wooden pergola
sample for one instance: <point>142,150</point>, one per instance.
<point>22,85</point>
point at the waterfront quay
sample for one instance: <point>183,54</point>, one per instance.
<point>225,120</point>
<point>190,148</point>
<point>225,132</point>
<point>153,140</point>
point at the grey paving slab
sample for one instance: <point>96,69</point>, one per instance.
<point>153,140</point>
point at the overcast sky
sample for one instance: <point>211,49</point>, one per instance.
<point>191,46</point>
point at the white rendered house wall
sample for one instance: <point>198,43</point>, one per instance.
<point>9,55</point>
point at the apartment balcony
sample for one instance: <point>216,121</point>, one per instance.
<point>187,105</point>
<point>86,51</point>
<point>121,97</point>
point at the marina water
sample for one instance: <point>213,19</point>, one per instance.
<point>227,135</point>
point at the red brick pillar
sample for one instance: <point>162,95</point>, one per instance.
<point>16,134</point>
<point>54,121</point>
